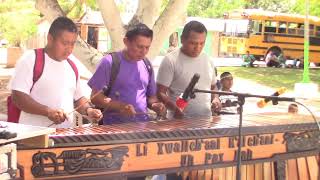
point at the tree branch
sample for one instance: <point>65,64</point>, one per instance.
<point>147,12</point>
<point>173,16</point>
<point>113,22</point>
<point>88,55</point>
<point>50,9</point>
<point>73,6</point>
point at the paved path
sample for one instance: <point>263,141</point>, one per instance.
<point>246,86</point>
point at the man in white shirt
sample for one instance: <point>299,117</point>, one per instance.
<point>51,99</point>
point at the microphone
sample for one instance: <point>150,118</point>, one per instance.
<point>182,101</point>
<point>263,102</point>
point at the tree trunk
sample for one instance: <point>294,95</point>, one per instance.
<point>147,12</point>
<point>50,9</point>
<point>113,22</point>
<point>173,16</point>
<point>88,55</point>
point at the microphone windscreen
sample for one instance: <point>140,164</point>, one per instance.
<point>263,102</point>
<point>181,103</point>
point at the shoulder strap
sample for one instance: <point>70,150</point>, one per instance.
<point>114,71</point>
<point>38,66</point>
<point>74,68</point>
<point>115,67</point>
<point>149,66</point>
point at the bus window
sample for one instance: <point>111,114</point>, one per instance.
<point>311,29</point>
<point>255,27</point>
<point>282,27</point>
<point>238,28</point>
<point>292,28</point>
<point>270,27</point>
<point>301,29</point>
<point>318,31</point>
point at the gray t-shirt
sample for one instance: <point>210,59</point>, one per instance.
<point>176,71</point>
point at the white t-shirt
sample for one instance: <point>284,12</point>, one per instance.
<point>176,71</point>
<point>57,88</point>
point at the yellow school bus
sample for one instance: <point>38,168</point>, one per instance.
<point>260,31</point>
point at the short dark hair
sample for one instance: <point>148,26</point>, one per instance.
<point>293,105</point>
<point>139,29</point>
<point>195,26</point>
<point>225,75</point>
<point>62,24</point>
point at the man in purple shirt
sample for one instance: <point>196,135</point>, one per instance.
<point>134,88</point>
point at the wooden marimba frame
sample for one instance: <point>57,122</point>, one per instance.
<point>274,146</point>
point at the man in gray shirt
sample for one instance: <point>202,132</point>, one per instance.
<point>177,69</point>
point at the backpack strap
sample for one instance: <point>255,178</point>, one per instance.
<point>38,66</point>
<point>148,64</point>
<point>115,67</point>
<point>74,68</point>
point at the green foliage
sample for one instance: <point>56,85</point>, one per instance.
<point>15,5</point>
<point>216,8</point>
<point>18,20</point>
<point>76,8</point>
<point>211,9</point>
<point>299,7</point>
<point>271,5</point>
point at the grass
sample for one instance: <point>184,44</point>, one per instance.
<point>273,77</point>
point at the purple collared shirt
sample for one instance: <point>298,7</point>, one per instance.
<point>132,84</point>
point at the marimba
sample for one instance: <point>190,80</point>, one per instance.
<point>274,146</point>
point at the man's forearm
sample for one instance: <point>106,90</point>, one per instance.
<point>27,104</point>
<point>167,101</point>
<point>82,105</point>
<point>151,100</point>
<point>101,101</point>
<point>213,96</point>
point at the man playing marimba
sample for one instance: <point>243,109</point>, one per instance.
<point>134,88</point>
<point>179,66</point>
<point>47,98</point>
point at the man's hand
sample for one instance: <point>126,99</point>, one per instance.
<point>127,110</point>
<point>94,115</point>
<point>216,105</point>
<point>159,108</point>
<point>56,115</point>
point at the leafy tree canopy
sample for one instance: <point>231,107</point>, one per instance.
<point>76,8</point>
<point>18,20</point>
<point>299,7</point>
<point>216,8</point>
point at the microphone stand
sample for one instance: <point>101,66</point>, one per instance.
<point>241,101</point>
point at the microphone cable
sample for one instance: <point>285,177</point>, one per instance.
<point>313,116</point>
